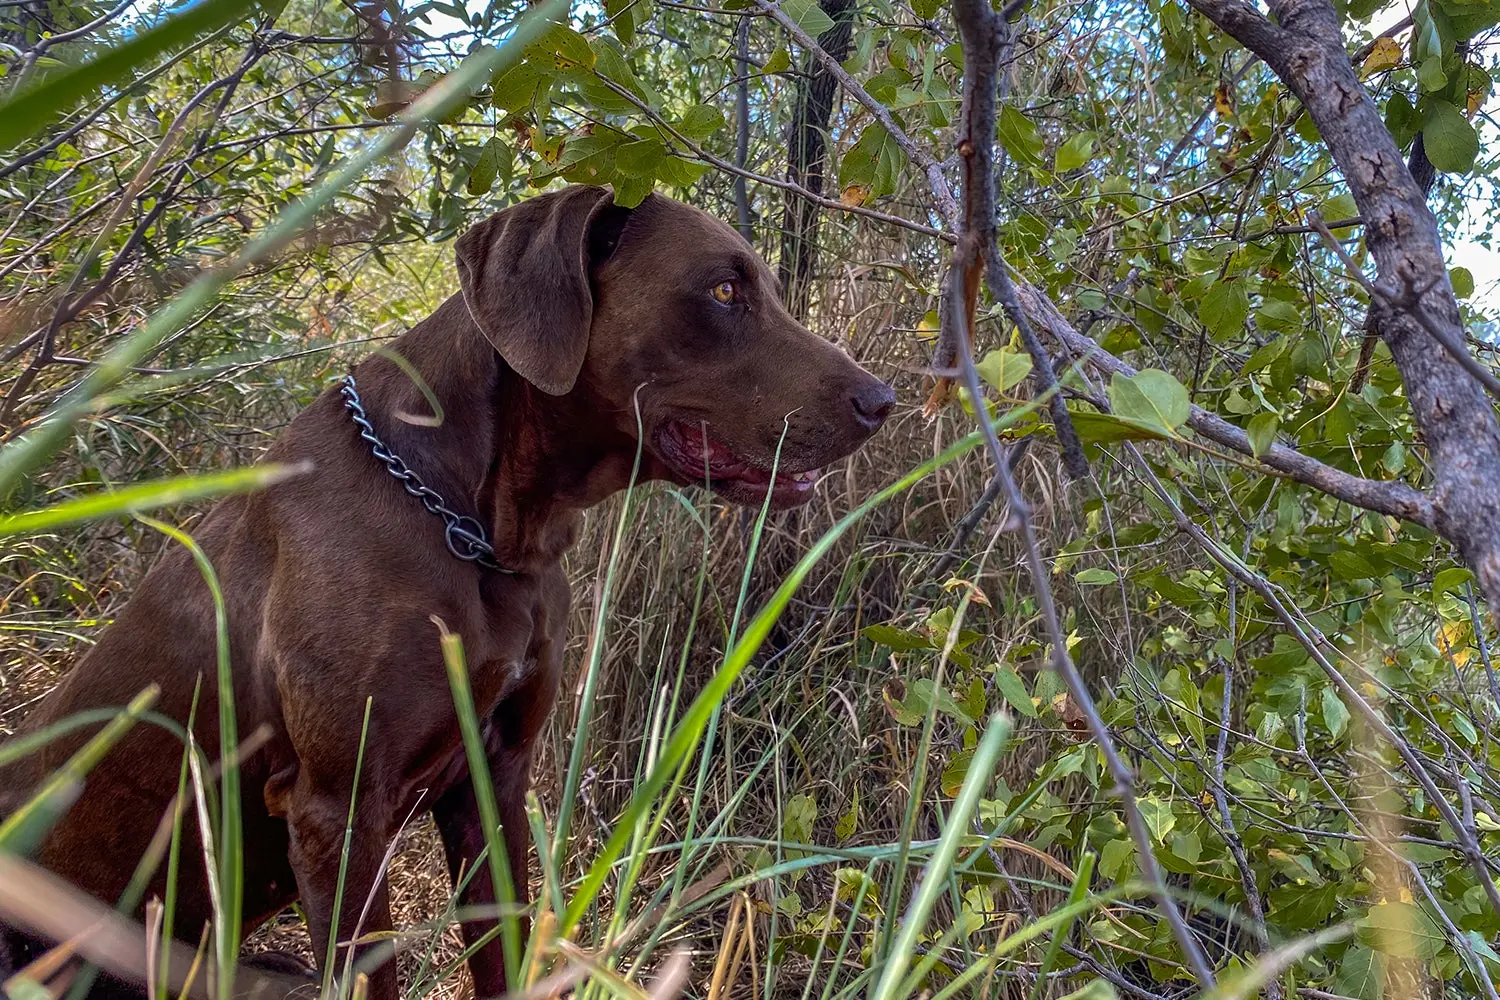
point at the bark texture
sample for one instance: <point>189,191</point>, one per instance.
<point>1305,48</point>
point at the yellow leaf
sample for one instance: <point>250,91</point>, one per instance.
<point>854,195</point>
<point>1453,640</point>
<point>1385,54</point>
<point>976,593</point>
<point>1474,102</point>
<point>1222,103</point>
<point>927,327</point>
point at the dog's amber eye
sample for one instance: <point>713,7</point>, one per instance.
<point>726,292</point>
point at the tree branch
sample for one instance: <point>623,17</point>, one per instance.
<point>1305,48</point>
<point>983,33</point>
<point>1385,497</point>
<point>942,194</point>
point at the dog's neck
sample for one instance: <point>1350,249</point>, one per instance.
<point>527,464</point>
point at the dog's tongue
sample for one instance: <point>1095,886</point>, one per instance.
<point>722,463</point>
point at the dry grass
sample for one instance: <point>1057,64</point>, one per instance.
<point>810,695</point>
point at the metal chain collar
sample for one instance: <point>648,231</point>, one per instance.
<point>465,536</point>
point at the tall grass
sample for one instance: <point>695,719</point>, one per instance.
<point>590,939</point>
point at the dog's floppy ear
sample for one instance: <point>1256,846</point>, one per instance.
<point>525,278</point>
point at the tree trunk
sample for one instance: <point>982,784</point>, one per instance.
<point>807,155</point>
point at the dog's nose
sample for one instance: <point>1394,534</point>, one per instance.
<point>872,403</point>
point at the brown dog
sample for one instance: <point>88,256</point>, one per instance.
<point>578,320</point>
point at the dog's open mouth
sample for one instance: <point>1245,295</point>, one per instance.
<point>692,453</point>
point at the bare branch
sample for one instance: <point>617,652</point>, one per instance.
<point>702,154</point>
<point>982,31</point>
<point>1392,497</point>
<point>1410,301</point>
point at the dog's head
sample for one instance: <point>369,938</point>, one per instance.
<point>666,310</point>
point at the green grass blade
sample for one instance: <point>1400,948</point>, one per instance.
<point>484,796</point>
<point>231,848</point>
<point>574,773</point>
<point>1054,949</point>
<point>29,111</point>
<point>147,496</point>
<point>76,768</point>
<point>174,856</point>
<point>686,735</point>
<point>330,960</point>
<point>22,746</point>
<point>981,771</point>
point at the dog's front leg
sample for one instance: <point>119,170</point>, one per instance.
<point>457,817</point>
<point>317,824</point>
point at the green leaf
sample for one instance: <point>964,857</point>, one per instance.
<point>1449,579</point>
<point>954,773</point>
<point>1430,75</point>
<point>28,111</point>
<point>1019,136</point>
<point>680,172</point>
<point>1013,690</point>
<point>1159,817</point>
<point>807,15</point>
<point>1462,280</point>
<point>1224,309</point>
<point>798,816</point>
<point>631,191</point>
<point>1362,974</point>
<point>1271,726</point>
<point>700,122</point>
<point>849,822</point>
<point>1004,369</point>
<point>896,639</point>
<point>1261,430</point>
<point>1106,428</point>
<point>1095,576</point>
<point>1151,398</point>
<point>640,158</point>
<point>611,65</point>
<point>561,50</point>
<point>1401,118</point>
<point>147,496</point>
<point>622,18</point>
<point>975,700</point>
<point>1304,907</point>
<point>1117,860</point>
<point>1400,930</point>
<point>1335,715</point>
<point>1074,153</point>
<point>1187,846</point>
<point>517,87</point>
<point>1341,206</point>
<point>1449,139</point>
<point>487,167</point>
<point>874,161</point>
<point>1465,728</point>
<point>779,61</point>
